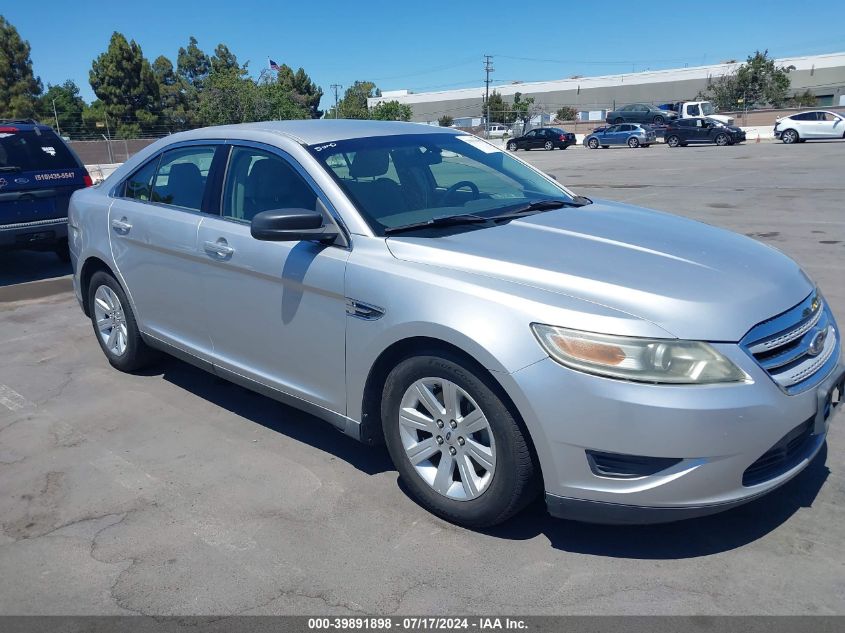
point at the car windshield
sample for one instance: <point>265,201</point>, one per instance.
<point>715,122</point>
<point>402,180</point>
<point>707,108</point>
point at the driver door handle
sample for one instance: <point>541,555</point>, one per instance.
<point>122,225</point>
<point>220,248</point>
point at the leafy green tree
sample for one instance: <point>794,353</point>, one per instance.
<point>567,113</point>
<point>69,107</point>
<point>522,109</point>
<point>445,121</point>
<point>496,110</point>
<point>123,80</point>
<point>225,60</point>
<point>301,89</point>
<point>192,64</point>
<point>757,82</point>
<point>804,100</point>
<point>173,107</point>
<point>276,101</point>
<point>19,87</point>
<point>391,111</point>
<point>353,105</point>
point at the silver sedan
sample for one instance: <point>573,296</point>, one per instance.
<point>419,287</point>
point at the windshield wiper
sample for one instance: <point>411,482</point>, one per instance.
<point>443,220</point>
<point>541,205</point>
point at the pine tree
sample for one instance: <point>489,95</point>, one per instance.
<point>301,89</point>
<point>19,87</point>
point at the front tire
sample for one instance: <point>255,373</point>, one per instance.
<point>789,137</point>
<point>512,146</point>
<point>456,445</point>
<point>115,326</point>
<point>722,140</point>
<point>659,120</point>
<point>593,143</point>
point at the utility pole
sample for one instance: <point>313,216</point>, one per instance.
<point>488,68</point>
<point>335,87</point>
<point>58,129</point>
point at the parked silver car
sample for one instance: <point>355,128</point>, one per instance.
<point>417,286</point>
<point>630,134</point>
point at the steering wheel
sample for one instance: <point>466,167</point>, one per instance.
<point>459,185</point>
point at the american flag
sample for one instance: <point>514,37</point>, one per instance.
<point>273,65</point>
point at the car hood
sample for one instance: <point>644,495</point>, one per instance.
<point>693,280</point>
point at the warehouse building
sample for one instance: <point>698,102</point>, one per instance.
<point>823,75</point>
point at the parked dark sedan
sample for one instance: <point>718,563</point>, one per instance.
<point>641,113</point>
<point>702,130</point>
<point>542,137</point>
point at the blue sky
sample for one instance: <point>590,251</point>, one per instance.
<point>425,44</point>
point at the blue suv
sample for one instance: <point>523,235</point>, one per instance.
<point>38,174</point>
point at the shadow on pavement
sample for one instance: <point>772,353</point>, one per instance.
<point>684,539</point>
<point>17,267</point>
<point>273,415</point>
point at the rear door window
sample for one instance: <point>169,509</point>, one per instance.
<point>34,151</point>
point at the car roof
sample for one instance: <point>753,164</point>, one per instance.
<point>315,131</point>
<point>25,125</point>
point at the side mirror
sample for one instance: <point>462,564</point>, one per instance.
<point>290,225</point>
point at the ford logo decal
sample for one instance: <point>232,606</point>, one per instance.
<point>817,343</point>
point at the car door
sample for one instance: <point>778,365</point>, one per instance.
<point>606,136</point>
<point>641,114</point>
<point>153,224</point>
<point>829,125</point>
<point>276,310</point>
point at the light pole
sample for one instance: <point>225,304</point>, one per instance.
<point>56,116</point>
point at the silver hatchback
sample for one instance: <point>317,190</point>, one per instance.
<point>417,286</point>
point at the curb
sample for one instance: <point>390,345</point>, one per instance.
<point>36,289</point>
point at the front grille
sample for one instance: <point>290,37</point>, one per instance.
<point>796,348</point>
<point>781,457</point>
<point>621,466</point>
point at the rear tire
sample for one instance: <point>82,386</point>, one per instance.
<point>115,326</point>
<point>633,142</point>
<point>483,496</point>
<point>548,146</point>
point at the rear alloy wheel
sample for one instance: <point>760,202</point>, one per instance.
<point>593,143</point>
<point>548,146</point>
<point>115,326</point>
<point>722,139</point>
<point>789,137</point>
<point>633,142</point>
<point>511,146</point>
<point>455,444</point>
<point>673,141</point>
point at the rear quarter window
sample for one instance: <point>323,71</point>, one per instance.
<point>35,151</point>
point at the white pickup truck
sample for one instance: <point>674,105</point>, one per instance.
<point>690,109</point>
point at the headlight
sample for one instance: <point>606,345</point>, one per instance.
<point>641,359</point>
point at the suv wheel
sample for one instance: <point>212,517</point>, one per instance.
<point>789,136</point>
<point>722,139</point>
<point>115,326</point>
<point>673,141</point>
<point>593,143</point>
<point>454,442</point>
<point>548,146</point>
<point>633,142</point>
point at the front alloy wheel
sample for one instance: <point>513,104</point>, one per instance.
<point>447,438</point>
<point>593,143</point>
<point>789,137</point>
<point>512,146</point>
<point>722,139</point>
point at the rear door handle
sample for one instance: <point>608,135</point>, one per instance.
<point>219,248</point>
<point>122,225</point>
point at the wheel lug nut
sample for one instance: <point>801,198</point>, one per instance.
<point>440,424</point>
<point>439,440</point>
<point>453,424</point>
<point>452,450</point>
<point>461,441</point>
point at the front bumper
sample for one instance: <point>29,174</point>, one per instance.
<point>33,235</point>
<point>715,432</point>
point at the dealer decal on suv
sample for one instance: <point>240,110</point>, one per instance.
<point>61,175</point>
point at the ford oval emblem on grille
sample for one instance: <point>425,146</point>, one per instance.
<point>817,343</point>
